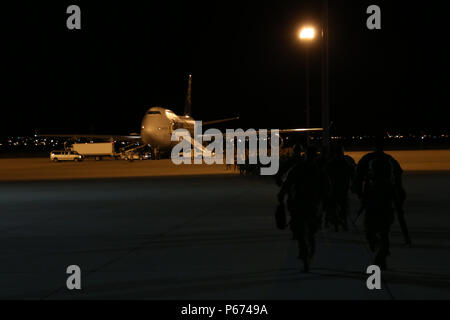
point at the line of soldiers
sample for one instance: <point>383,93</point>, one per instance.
<point>317,188</point>
<point>245,169</point>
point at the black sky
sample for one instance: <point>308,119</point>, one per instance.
<point>244,57</point>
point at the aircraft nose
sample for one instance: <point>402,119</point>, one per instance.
<point>154,133</point>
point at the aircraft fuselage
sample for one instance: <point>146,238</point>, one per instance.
<point>159,123</point>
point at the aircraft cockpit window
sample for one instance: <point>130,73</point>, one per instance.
<point>153,112</point>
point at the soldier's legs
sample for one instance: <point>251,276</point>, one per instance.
<point>378,230</point>
<point>384,243</point>
<point>300,231</point>
<point>304,249</point>
<point>311,235</point>
<point>305,223</point>
<point>302,239</point>
<point>383,252</point>
<point>292,214</point>
<point>343,211</point>
<point>403,226</point>
<point>371,232</point>
<point>331,213</point>
<point>292,228</point>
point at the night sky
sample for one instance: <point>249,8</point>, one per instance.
<point>245,58</point>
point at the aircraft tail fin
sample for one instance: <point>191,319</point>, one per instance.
<point>187,105</point>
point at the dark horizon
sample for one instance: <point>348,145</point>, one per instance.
<point>245,60</point>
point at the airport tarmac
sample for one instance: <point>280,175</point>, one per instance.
<point>201,236</point>
<point>30,169</point>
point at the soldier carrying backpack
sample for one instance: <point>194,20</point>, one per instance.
<point>378,185</point>
<point>306,187</point>
<point>340,169</point>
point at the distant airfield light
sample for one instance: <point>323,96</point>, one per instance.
<point>307,33</point>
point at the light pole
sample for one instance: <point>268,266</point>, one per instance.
<point>306,35</point>
<point>308,105</point>
<point>325,77</point>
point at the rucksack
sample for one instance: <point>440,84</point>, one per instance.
<point>306,188</point>
<point>380,174</point>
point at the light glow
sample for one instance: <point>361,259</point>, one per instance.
<point>307,33</point>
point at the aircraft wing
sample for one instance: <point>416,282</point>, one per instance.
<point>108,137</point>
<point>280,131</point>
<point>300,130</point>
<point>205,123</point>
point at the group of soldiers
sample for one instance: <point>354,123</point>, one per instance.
<point>315,189</point>
<point>245,169</point>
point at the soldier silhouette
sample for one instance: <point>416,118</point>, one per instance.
<point>378,185</point>
<point>306,186</point>
<point>340,169</point>
<point>287,162</point>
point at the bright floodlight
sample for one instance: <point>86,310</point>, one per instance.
<point>307,33</point>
